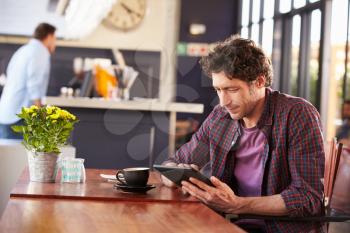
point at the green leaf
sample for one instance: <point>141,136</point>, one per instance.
<point>17,128</point>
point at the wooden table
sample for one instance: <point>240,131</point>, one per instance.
<point>96,207</point>
<point>95,188</point>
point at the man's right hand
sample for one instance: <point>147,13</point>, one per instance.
<point>168,182</point>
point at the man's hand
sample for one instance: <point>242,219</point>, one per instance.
<point>168,182</point>
<point>221,197</point>
<point>37,102</point>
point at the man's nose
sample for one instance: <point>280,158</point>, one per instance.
<point>224,99</point>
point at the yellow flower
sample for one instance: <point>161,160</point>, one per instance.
<point>66,115</point>
<point>54,121</point>
<point>63,113</point>
<point>33,114</point>
<point>54,116</point>
<point>50,109</point>
<point>34,107</point>
<point>26,110</point>
<point>31,109</point>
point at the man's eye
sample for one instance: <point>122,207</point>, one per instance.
<point>232,89</point>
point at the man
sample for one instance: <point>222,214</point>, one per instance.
<point>263,149</point>
<point>27,77</point>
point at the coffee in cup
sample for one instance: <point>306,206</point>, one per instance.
<point>136,176</point>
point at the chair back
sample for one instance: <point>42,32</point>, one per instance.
<point>340,201</point>
<point>332,158</point>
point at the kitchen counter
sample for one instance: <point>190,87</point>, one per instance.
<point>137,105</point>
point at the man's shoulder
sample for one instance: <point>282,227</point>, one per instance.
<point>26,51</point>
<point>218,112</point>
<point>34,49</point>
<point>284,103</point>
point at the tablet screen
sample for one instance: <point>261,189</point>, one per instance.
<point>178,174</point>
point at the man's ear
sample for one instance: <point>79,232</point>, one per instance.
<point>260,81</point>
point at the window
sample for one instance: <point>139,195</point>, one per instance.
<point>245,13</point>
<point>269,8</point>
<point>255,32</point>
<point>285,6</point>
<point>290,32</point>
<point>258,25</point>
<point>267,36</point>
<point>339,65</point>
<point>299,3</point>
<point>256,11</point>
<point>295,55</point>
<point>315,48</point>
<point>244,32</point>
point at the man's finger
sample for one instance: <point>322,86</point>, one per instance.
<point>195,167</point>
<point>184,191</point>
<point>170,164</point>
<point>194,189</point>
<point>219,184</point>
<point>194,194</point>
<point>201,184</point>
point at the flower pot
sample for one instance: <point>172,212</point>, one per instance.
<point>42,166</point>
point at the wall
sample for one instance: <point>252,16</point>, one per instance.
<point>148,36</point>
<point>220,18</point>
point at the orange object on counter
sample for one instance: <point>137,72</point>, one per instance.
<point>104,81</point>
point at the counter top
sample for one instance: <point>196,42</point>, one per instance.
<point>137,105</point>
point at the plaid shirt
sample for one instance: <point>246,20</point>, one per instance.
<point>293,154</point>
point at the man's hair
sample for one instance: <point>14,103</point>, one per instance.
<point>238,58</point>
<point>43,30</point>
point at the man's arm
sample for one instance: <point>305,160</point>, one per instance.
<point>304,195</point>
<point>36,77</point>
<point>222,198</point>
<point>267,205</point>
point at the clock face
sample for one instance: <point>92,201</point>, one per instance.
<point>126,14</point>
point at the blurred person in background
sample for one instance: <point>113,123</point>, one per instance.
<point>343,132</point>
<point>27,78</point>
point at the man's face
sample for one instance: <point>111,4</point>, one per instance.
<point>236,96</point>
<point>51,42</point>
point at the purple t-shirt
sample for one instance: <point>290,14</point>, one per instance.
<point>248,160</point>
<point>248,168</point>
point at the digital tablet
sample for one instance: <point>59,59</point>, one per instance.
<point>178,174</point>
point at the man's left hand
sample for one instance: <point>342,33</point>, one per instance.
<point>221,197</point>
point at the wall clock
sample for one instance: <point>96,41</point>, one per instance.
<point>126,14</point>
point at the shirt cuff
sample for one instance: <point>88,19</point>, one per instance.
<point>293,201</point>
